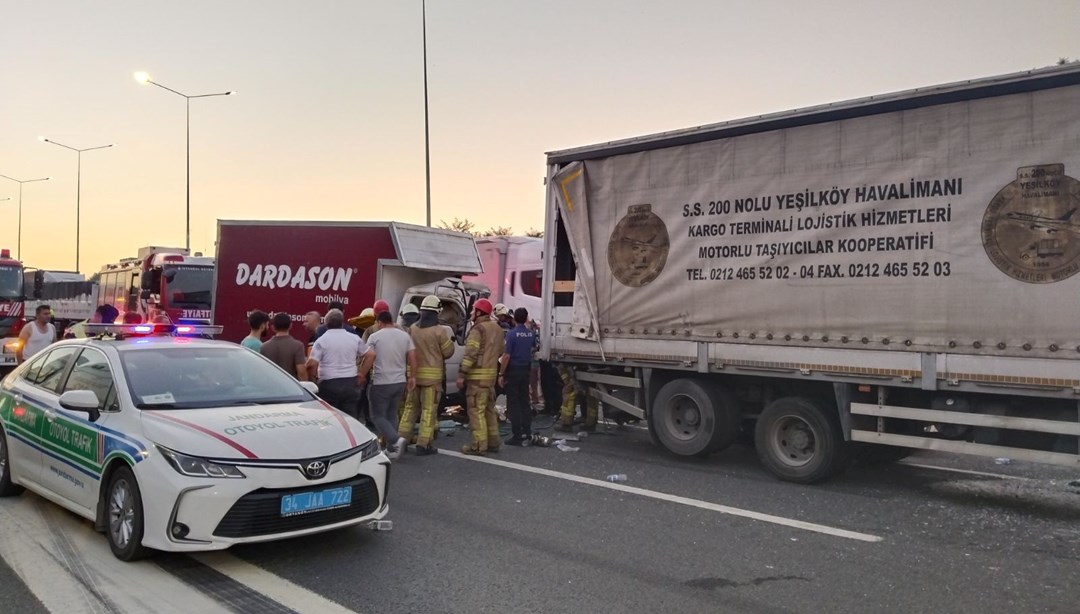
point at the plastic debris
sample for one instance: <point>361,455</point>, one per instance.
<point>582,435</point>
<point>1003,461</point>
<point>616,477</point>
<point>381,525</point>
<point>565,448</point>
<point>542,441</point>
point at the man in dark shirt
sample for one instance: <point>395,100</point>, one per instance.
<point>322,327</point>
<point>283,350</point>
<point>514,377</point>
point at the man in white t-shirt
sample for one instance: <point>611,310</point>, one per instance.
<point>395,373</point>
<point>334,357</point>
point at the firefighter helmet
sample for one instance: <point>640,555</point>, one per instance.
<point>380,306</point>
<point>483,306</point>
<point>409,308</point>
<point>431,303</point>
<point>501,310</point>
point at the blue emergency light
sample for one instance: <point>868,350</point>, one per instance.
<point>145,330</point>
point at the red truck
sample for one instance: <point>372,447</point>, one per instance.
<point>297,267</point>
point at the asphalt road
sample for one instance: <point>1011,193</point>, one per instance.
<point>712,535</point>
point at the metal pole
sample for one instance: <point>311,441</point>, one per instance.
<point>427,145</point>
<point>78,198</point>
<point>187,215</point>
<point>18,243</point>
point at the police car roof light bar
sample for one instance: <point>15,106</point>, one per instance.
<point>135,330</point>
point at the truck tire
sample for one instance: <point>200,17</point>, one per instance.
<point>799,441</point>
<point>692,418</point>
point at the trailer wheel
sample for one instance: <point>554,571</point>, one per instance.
<point>690,418</point>
<point>799,441</point>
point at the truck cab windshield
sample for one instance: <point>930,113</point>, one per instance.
<point>11,283</point>
<point>188,286</point>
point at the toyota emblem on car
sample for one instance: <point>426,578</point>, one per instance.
<point>315,469</point>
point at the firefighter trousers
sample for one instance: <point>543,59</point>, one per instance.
<point>409,413</point>
<point>483,421</point>
<point>424,405</point>
<point>570,399</point>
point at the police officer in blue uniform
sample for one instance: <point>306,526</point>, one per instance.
<point>514,377</point>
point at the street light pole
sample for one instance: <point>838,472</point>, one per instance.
<point>18,246</point>
<point>78,187</point>
<point>427,145</point>
<point>143,77</point>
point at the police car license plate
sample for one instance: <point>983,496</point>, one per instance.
<point>305,502</point>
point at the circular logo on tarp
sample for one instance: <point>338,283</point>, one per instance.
<point>638,248</point>
<point>1031,228</point>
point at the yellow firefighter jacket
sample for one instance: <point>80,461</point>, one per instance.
<point>485,346</point>
<point>433,347</point>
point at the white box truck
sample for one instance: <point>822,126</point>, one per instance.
<point>513,270</point>
<point>859,278</point>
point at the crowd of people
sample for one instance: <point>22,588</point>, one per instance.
<point>391,372</point>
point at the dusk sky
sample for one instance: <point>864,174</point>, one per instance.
<point>328,120</point>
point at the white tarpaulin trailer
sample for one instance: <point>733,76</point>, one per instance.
<point>931,236</point>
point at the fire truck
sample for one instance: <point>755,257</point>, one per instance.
<point>159,283</point>
<point>11,306</point>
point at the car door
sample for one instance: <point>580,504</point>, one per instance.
<point>42,395</point>
<point>23,422</point>
<point>72,431</point>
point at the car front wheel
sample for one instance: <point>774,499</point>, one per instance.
<point>124,516</point>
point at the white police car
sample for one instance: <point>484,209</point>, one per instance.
<point>183,444</point>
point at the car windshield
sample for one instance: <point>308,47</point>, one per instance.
<point>11,283</point>
<point>189,286</point>
<point>186,377</point>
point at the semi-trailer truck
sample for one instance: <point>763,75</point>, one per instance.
<point>862,278</point>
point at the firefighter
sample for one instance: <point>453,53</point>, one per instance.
<point>433,347</point>
<point>380,306</point>
<point>503,316</point>
<point>409,315</point>
<point>480,368</point>
<point>570,393</point>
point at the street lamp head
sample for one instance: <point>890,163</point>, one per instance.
<point>232,93</point>
<point>142,77</point>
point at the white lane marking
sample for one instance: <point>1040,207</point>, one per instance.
<point>966,471</point>
<point>29,544</point>
<point>652,494</point>
<point>275,587</point>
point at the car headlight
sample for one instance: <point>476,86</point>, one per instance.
<point>370,450</point>
<point>198,467</point>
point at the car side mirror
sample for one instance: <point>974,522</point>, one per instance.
<point>311,387</point>
<point>81,400</point>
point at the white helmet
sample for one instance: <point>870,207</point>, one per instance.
<point>431,303</point>
<point>409,308</point>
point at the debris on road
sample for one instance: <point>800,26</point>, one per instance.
<point>1003,461</point>
<point>616,477</point>
<point>381,525</point>
<point>561,445</point>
